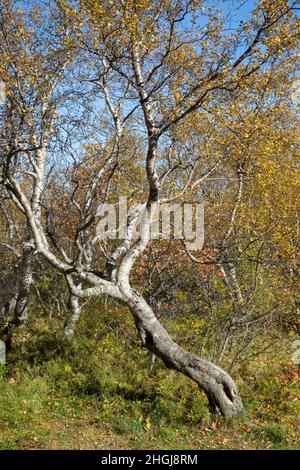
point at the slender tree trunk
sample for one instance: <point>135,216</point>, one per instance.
<point>8,307</point>
<point>231,281</point>
<point>20,297</point>
<point>25,283</point>
<point>74,307</point>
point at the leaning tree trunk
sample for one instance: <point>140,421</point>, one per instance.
<point>220,389</point>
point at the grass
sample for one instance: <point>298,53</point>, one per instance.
<point>96,392</point>
<point>35,416</point>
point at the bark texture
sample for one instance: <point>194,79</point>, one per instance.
<point>73,316</point>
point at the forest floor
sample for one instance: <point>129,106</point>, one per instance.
<point>75,399</point>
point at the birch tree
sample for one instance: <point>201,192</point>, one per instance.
<point>148,66</point>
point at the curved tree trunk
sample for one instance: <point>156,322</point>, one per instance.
<point>220,389</point>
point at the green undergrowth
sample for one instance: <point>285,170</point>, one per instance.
<point>96,391</point>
